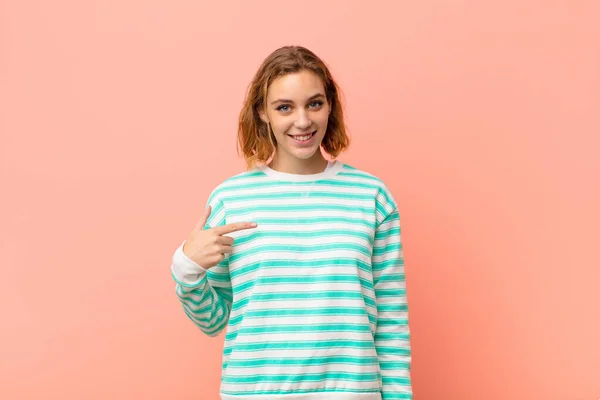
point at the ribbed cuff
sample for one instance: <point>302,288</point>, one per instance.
<point>185,271</point>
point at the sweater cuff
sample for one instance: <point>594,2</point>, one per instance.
<point>185,271</point>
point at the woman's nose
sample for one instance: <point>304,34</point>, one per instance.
<point>302,122</point>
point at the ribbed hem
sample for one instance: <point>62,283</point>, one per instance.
<point>308,396</point>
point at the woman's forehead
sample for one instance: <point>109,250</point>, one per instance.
<point>296,86</point>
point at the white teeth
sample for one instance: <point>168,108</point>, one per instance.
<point>303,138</point>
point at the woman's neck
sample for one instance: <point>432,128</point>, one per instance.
<point>292,165</point>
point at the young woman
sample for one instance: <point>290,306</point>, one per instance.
<point>299,258</point>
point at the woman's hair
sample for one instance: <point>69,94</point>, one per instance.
<point>255,137</point>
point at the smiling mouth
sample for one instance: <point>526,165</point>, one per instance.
<point>302,138</point>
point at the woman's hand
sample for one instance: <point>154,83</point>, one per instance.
<point>207,247</point>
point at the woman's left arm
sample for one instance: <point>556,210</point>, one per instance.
<point>392,337</point>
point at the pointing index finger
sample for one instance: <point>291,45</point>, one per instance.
<point>234,227</point>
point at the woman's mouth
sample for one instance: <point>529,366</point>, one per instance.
<point>303,139</point>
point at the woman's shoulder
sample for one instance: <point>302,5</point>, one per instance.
<point>381,190</point>
<point>230,184</point>
<point>352,171</point>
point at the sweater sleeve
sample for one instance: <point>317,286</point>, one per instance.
<point>392,336</point>
<point>205,294</point>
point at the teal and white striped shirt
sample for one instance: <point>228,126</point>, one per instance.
<point>313,299</point>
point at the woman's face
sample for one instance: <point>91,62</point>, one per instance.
<point>298,111</point>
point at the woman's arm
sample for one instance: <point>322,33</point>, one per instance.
<point>205,293</point>
<point>392,337</point>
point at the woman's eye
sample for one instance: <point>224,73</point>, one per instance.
<point>286,107</point>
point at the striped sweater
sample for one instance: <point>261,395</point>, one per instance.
<point>313,300</point>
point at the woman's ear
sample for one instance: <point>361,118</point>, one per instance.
<point>263,116</point>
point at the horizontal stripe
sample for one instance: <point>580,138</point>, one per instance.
<point>288,345</point>
<point>329,375</point>
<point>343,360</point>
<point>254,330</point>
<point>270,297</point>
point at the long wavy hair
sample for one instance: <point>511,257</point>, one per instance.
<point>255,137</point>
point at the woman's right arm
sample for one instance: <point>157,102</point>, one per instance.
<point>205,294</point>
<point>200,268</point>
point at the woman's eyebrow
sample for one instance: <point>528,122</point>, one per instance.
<point>314,96</point>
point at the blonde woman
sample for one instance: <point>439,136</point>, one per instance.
<point>299,258</point>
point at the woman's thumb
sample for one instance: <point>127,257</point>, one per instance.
<point>202,222</point>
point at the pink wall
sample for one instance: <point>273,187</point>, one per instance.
<point>118,118</point>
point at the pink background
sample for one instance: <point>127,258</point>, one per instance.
<point>119,117</point>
